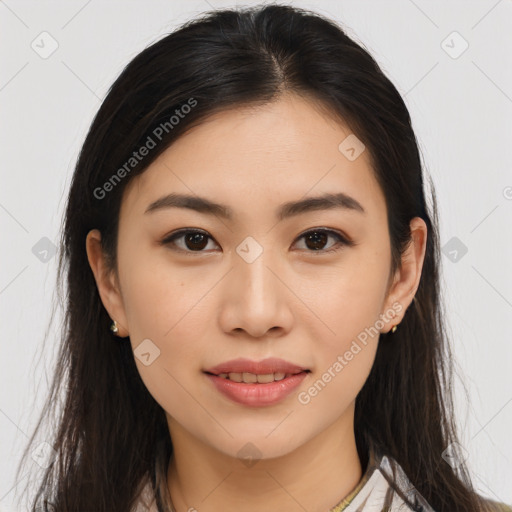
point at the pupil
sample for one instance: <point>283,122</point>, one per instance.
<point>317,239</point>
<point>195,238</point>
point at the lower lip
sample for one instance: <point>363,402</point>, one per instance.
<point>257,395</point>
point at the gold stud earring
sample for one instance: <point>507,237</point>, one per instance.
<point>114,327</point>
<point>395,327</point>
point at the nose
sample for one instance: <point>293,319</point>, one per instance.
<point>256,298</point>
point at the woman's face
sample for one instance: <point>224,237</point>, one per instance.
<point>251,285</point>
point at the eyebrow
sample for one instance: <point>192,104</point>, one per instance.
<point>286,210</point>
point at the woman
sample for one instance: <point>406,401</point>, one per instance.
<point>253,310</point>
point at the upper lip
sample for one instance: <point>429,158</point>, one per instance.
<point>263,367</point>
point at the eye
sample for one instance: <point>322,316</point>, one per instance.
<point>193,240</point>
<point>315,239</point>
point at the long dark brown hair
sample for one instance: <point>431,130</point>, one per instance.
<point>109,435</point>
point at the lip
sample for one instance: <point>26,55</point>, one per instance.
<point>257,395</point>
<point>265,366</point>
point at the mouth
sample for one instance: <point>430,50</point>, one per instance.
<point>254,378</point>
<point>256,390</point>
<point>257,383</point>
<point>247,370</point>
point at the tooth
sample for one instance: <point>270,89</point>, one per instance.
<point>269,377</point>
<point>237,377</point>
<point>249,377</point>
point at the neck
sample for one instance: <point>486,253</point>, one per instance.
<point>314,477</point>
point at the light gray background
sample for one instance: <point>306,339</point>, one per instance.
<point>462,113</point>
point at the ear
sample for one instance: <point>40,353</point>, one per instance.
<point>106,281</point>
<point>407,277</point>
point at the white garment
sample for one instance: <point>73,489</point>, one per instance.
<point>386,488</point>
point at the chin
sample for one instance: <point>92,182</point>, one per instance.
<point>260,446</point>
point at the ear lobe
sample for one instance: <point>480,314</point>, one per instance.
<point>106,281</point>
<point>408,276</point>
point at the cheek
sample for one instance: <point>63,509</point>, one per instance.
<point>335,387</point>
<point>167,306</point>
<point>344,352</point>
<point>162,299</point>
<point>347,303</point>
<point>170,321</point>
<point>346,298</point>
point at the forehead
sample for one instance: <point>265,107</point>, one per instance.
<point>280,151</point>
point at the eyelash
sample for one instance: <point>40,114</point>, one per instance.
<point>342,240</point>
